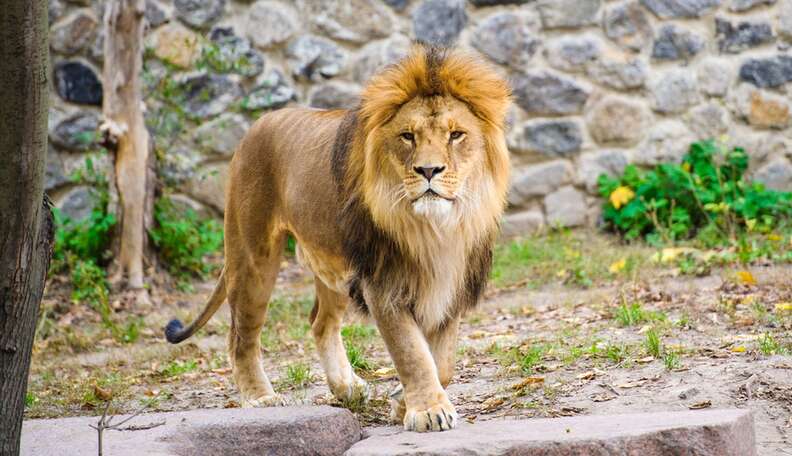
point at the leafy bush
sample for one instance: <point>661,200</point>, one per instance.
<point>706,197</point>
<point>184,240</point>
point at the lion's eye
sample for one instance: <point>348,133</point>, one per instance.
<point>407,136</point>
<point>456,135</point>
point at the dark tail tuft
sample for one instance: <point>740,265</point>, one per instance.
<point>174,333</point>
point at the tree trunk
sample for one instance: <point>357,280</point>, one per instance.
<point>25,219</point>
<point>125,132</point>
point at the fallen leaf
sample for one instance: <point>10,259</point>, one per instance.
<point>645,360</point>
<point>479,334</point>
<point>527,381</point>
<point>104,394</point>
<point>588,375</point>
<point>493,403</point>
<point>618,266</point>
<point>746,278</point>
<point>632,384</point>
<point>385,372</point>
<point>603,397</point>
<point>783,307</point>
<point>222,370</point>
<point>231,404</point>
<point>700,405</point>
<point>738,349</point>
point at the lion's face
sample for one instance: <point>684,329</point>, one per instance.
<point>432,147</point>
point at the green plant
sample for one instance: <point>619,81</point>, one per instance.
<point>616,353</point>
<point>356,337</point>
<point>178,367</point>
<point>706,196</point>
<point>769,346</point>
<point>299,374</point>
<point>671,360</point>
<point>633,314</point>
<point>652,343</point>
<point>184,240</point>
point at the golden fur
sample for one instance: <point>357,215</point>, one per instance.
<point>404,223</point>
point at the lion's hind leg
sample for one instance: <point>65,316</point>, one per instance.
<point>250,285</point>
<point>326,327</point>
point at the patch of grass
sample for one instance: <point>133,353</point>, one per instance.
<point>633,314</point>
<point>616,353</point>
<point>178,367</point>
<point>768,345</point>
<point>652,343</point>
<point>525,358</point>
<point>299,374</point>
<point>356,338</point>
<point>287,321</point>
<point>671,360</point>
<point>30,399</point>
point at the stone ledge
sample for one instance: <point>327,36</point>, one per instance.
<point>692,433</point>
<point>277,430</point>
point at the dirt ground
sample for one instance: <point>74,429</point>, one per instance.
<point>649,342</point>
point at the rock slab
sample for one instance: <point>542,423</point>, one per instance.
<point>277,430</point>
<point>699,433</point>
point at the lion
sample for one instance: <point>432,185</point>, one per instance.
<point>394,206</point>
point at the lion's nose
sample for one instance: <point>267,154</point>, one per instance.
<point>429,171</point>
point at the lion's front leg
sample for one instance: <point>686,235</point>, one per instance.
<point>442,344</point>
<point>427,407</point>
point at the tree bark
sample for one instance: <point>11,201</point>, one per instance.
<point>26,228</point>
<point>125,132</point>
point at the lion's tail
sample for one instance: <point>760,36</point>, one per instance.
<point>175,331</point>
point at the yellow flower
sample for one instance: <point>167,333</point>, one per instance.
<point>738,349</point>
<point>618,266</point>
<point>774,237</point>
<point>686,166</point>
<point>621,196</point>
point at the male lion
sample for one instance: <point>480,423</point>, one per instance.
<point>395,204</point>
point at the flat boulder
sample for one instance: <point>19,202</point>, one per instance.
<point>700,433</point>
<point>276,430</point>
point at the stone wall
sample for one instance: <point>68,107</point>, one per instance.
<point>597,84</point>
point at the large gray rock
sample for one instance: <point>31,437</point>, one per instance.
<point>207,94</point>
<point>74,32</point>
<point>627,25</point>
<point>398,5</point>
<point>77,203</point>
<point>674,91</point>
<point>545,93</point>
<point>507,38</point>
<point>55,171</point>
<point>271,92</point>
<point>156,14</point>
<point>676,43</point>
<point>776,175</point>
<point>744,35</point>
<point>709,121</point>
<point>497,2</point>
<point>767,72</point>
<point>666,141</point>
<point>199,13</point>
<point>618,71</point>
<point>523,223</point>
<point>566,207</point>
<point>234,54</point>
<point>553,138</point>
<point>785,19</point>
<point>314,58</point>
<point>439,21</point>
<point>680,8</point>
<point>572,53</point>
<point>254,431</point>
<point>207,184</point>
<point>593,164</point>
<point>334,95</point>
<point>358,21</point>
<point>76,132</point>
<point>745,5</point>
<point>568,13</point>
<point>222,134</point>
<point>374,56</point>
<point>531,181</point>
<point>270,22</point>
<point>715,75</point>
<point>693,433</point>
<point>615,120</point>
<point>762,108</point>
<point>177,164</point>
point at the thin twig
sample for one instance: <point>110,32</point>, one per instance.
<point>105,423</point>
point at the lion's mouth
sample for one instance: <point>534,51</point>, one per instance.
<point>431,194</point>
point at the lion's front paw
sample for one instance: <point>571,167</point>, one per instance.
<point>267,400</point>
<point>355,392</point>
<point>440,417</point>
